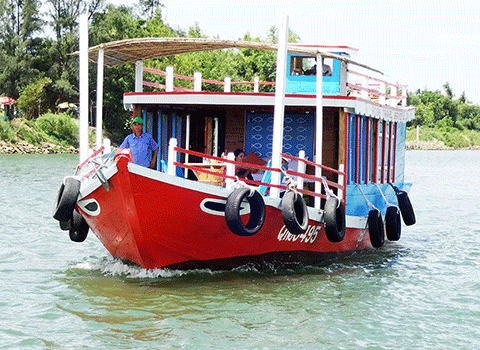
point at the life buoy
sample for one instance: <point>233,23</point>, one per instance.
<point>393,225</point>
<point>66,199</point>
<point>234,206</point>
<point>376,228</point>
<point>79,229</point>
<point>334,214</point>
<point>406,208</point>
<point>294,213</point>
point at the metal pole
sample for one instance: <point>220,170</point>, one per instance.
<point>279,111</point>
<point>83,66</point>
<point>319,127</point>
<point>99,98</point>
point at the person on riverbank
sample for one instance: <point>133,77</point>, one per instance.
<point>141,144</point>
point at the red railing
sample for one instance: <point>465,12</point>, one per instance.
<point>224,175</point>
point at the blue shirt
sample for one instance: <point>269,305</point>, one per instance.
<point>141,147</point>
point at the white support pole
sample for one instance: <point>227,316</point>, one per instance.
<point>215,137</point>
<point>343,78</point>
<point>341,167</point>
<point>256,84</point>
<point>383,90</point>
<point>319,131</point>
<point>279,109</point>
<point>99,122</point>
<point>404,95</point>
<point>301,169</point>
<point>83,66</point>
<point>393,94</point>
<point>139,76</point>
<point>197,81</point>
<point>230,171</point>
<point>169,79</point>
<point>187,143</point>
<point>364,84</point>
<point>227,87</point>
<point>172,156</point>
<point>107,146</point>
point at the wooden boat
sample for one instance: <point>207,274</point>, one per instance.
<point>343,189</point>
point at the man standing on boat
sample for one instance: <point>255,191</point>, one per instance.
<point>141,144</point>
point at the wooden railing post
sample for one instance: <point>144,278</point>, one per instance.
<point>230,171</point>
<point>227,87</point>
<point>172,156</point>
<point>255,84</point>
<point>341,167</point>
<point>197,81</point>
<point>169,79</point>
<point>301,169</point>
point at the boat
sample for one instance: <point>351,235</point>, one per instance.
<point>329,166</point>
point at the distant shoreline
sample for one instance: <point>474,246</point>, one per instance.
<point>24,147</point>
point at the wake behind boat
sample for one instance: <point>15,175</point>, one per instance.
<point>328,167</point>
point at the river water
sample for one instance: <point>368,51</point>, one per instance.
<point>420,293</point>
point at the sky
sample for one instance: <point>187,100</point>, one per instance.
<point>422,43</point>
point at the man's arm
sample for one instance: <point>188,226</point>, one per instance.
<point>153,162</point>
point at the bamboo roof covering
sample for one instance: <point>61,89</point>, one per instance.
<point>131,50</point>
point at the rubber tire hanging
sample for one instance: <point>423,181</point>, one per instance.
<point>376,228</point>
<point>294,213</point>
<point>79,230</point>
<point>66,198</point>
<point>334,220</point>
<point>393,223</point>
<point>234,206</point>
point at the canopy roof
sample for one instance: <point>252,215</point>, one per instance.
<point>131,50</point>
<point>5,100</point>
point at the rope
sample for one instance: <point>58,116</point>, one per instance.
<point>384,198</point>
<point>370,205</point>
<point>242,184</point>
<point>328,191</point>
<point>290,182</point>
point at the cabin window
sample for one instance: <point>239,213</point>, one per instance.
<point>307,65</point>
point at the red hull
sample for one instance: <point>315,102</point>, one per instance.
<point>159,222</point>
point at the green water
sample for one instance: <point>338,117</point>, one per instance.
<point>420,293</point>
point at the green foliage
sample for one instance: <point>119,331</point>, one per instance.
<point>6,132</point>
<point>33,98</point>
<point>433,109</point>
<point>59,127</point>
<point>445,137</point>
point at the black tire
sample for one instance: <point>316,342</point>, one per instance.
<point>232,212</point>
<point>294,213</point>
<point>79,230</point>
<point>406,208</point>
<point>393,224</point>
<point>334,220</point>
<point>66,225</point>
<point>66,199</point>
<point>376,228</point>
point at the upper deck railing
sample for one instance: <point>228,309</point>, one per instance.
<point>370,86</point>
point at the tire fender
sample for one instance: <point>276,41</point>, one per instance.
<point>234,206</point>
<point>66,199</point>
<point>406,208</point>
<point>334,220</point>
<point>294,213</point>
<point>79,228</point>
<point>393,224</point>
<point>376,228</point>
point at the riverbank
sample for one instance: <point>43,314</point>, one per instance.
<point>23,147</point>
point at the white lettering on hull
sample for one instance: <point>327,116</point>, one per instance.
<point>308,237</point>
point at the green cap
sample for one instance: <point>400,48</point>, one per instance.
<point>138,120</point>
